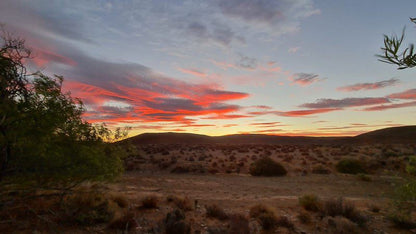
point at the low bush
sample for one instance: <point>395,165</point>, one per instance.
<point>337,207</point>
<point>363,177</point>
<point>350,166</point>
<point>266,217</point>
<point>214,211</point>
<point>304,217</point>
<point>310,202</point>
<point>267,167</point>
<point>149,202</point>
<point>182,203</point>
<point>239,224</point>
<point>90,208</point>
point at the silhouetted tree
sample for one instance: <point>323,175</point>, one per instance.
<point>394,54</point>
<point>43,138</point>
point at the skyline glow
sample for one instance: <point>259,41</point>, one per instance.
<point>286,67</point>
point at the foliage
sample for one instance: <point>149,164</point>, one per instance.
<point>44,140</point>
<point>338,207</point>
<point>350,166</point>
<point>265,216</point>
<point>411,166</point>
<point>403,205</point>
<point>215,211</point>
<point>267,167</point>
<point>310,202</point>
<point>392,53</point>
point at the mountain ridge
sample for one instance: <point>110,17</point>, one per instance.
<point>402,134</point>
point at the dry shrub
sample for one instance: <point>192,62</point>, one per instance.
<point>284,221</point>
<point>363,177</point>
<point>182,203</point>
<point>90,208</point>
<point>267,167</point>
<point>149,202</point>
<point>239,224</point>
<point>214,211</point>
<point>265,216</point>
<point>342,225</point>
<point>320,169</point>
<point>304,217</point>
<point>125,222</point>
<point>350,166</point>
<point>337,207</point>
<point>310,202</point>
<point>120,200</point>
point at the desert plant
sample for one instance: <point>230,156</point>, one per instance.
<point>403,205</point>
<point>265,216</point>
<point>304,217</point>
<point>267,167</point>
<point>87,208</point>
<point>310,202</point>
<point>214,211</point>
<point>182,203</point>
<point>239,224</point>
<point>149,202</point>
<point>337,207</point>
<point>350,166</point>
<point>363,177</point>
<point>126,222</point>
<point>284,221</point>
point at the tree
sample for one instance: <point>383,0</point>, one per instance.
<point>393,54</point>
<point>43,138</point>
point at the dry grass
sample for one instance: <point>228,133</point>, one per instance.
<point>310,202</point>
<point>214,211</point>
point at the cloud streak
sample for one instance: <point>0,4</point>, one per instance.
<point>369,86</point>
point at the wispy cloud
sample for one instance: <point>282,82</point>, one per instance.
<point>369,86</point>
<point>408,94</point>
<point>193,71</point>
<point>346,102</point>
<point>305,79</point>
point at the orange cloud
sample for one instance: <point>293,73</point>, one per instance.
<point>193,72</point>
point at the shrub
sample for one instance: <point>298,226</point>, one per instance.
<point>364,177</point>
<point>350,166</point>
<point>175,223</point>
<point>214,211</point>
<point>239,224</point>
<point>90,208</point>
<point>182,203</point>
<point>125,222</point>
<point>403,206</point>
<point>267,167</point>
<point>149,202</point>
<point>304,217</point>
<point>284,221</point>
<point>266,217</point>
<point>310,202</point>
<point>337,207</point>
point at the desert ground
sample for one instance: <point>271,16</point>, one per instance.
<point>211,187</point>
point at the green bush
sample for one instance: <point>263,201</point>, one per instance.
<point>267,167</point>
<point>350,166</point>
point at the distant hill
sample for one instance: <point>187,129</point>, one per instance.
<point>405,134</point>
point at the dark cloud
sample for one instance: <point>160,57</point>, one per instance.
<point>266,11</point>
<point>391,106</point>
<point>369,86</point>
<point>346,102</point>
<point>305,79</point>
<point>217,32</point>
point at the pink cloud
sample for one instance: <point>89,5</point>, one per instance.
<point>391,106</point>
<point>369,86</point>
<point>194,72</point>
<point>408,94</point>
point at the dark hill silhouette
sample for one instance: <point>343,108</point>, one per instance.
<point>404,134</point>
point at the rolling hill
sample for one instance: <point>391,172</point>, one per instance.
<point>403,134</point>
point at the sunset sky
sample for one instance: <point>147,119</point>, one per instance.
<point>286,67</point>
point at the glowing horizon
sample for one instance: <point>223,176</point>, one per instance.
<point>303,67</point>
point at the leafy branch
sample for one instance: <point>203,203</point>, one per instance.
<point>393,54</point>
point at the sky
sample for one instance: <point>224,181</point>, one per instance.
<point>284,67</point>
